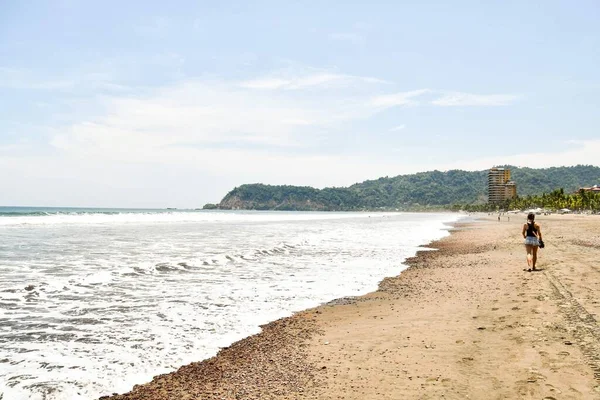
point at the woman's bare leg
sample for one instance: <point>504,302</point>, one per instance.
<point>529,249</point>
<point>534,259</point>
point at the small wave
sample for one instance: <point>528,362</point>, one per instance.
<point>85,321</point>
<point>7,305</point>
<point>185,265</point>
<point>25,216</point>
<point>166,267</point>
<point>137,271</point>
<point>249,256</point>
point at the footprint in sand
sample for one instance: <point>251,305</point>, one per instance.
<point>552,389</point>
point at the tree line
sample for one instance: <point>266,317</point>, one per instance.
<point>555,200</point>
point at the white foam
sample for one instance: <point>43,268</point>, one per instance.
<point>181,217</point>
<point>120,304</point>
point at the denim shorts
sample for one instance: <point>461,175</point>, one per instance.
<point>532,241</point>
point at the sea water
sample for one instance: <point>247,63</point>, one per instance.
<point>93,301</point>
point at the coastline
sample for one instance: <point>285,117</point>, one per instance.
<point>464,320</point>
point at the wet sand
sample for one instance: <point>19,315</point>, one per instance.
<point>464,321</point>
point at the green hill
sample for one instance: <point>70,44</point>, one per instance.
<point>434,189</point>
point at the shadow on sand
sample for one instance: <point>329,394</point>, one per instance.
<point>533,270</point>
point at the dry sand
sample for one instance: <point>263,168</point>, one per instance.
<point>465,321</point>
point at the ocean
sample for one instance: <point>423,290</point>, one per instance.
<point>93,301</point>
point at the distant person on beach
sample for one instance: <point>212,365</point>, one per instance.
<point>532,232</point>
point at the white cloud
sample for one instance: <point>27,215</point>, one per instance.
<point>398,128</point>
<point>320,79</point>
<point>12,148</point>
<point>397,99</point>
<point>170,124</point>
<point>213,113</point>
<point>446,100</point>
<point>12,78</point>
<point>468,99</point>
<point>266,83</point>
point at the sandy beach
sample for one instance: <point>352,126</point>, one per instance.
<point>463,321</point>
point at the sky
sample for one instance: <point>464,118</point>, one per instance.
<point>172,104</point>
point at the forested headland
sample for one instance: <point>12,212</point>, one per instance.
<point>556,187</point>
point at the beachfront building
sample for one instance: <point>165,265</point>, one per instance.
<point>500,187</point>
<point>593,189</point>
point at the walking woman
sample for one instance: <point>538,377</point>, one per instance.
<point>532,232</point>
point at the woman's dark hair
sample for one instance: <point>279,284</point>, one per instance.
<point>531,216</point>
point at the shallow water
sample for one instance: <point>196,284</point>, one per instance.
<point>93,302</point>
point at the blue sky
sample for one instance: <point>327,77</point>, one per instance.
<point>172,104</point>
